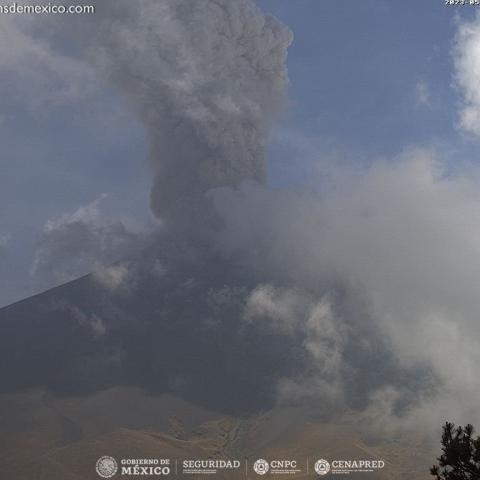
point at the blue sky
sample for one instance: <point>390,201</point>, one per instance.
<point>370,78</point>
<point>367,80</point>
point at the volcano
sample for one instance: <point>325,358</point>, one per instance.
<point>153,356</point>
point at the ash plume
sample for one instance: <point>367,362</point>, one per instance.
<point>206,79</point>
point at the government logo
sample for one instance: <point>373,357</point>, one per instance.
<point>261,466</point>
<point>322,467</point>
<point>106,466</point>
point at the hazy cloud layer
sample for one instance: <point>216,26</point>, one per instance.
<point>35,71</point>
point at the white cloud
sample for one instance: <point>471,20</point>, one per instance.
<point>112,277</point>
<point>422,94</point>
<point>90,320</point>
<point>405,234</point>
<point>96,324</point>
<point>301,314</point>
<point>282,306</point>
<point>81,242</point>
<point>467,73</point>
<point>5,239</point>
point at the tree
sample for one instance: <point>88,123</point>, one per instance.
<point>460,459</point>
